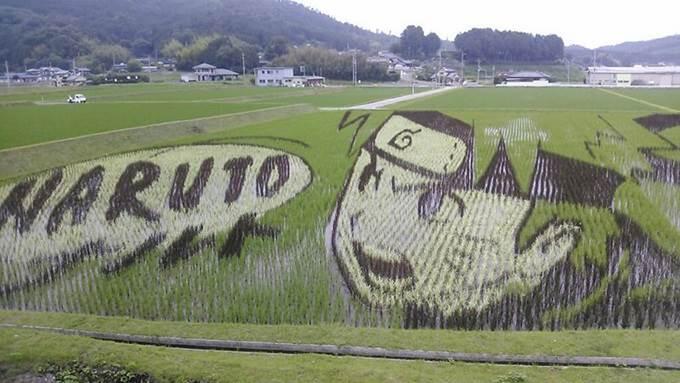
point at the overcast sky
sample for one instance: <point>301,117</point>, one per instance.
<point>591,23</point>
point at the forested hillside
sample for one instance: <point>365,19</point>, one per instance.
<point>663,50</point>
<point>38,32</point>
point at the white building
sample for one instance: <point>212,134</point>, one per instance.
<point>207,72</point>
<point>631,76</point>
<point>303,81</point>
<point>446,76</point>
<point>272,76</point>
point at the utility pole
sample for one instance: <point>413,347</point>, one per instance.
<point>354,67</point>
<point>479,69</point>
<point>568,71</point>
<point>440,81</point>
<point>462,65</point>
<point>243,62</point>
<point>7,73</point>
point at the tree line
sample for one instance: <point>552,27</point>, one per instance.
<point>334,65</point>
<point>223,51</point>
<point>414,44</point>
<point>492,45</point>
<point>226,52</point>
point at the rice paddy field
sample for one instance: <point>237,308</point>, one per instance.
<point>485,210</point>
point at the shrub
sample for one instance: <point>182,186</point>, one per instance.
<point>512,377</point>
<point>76,372</point>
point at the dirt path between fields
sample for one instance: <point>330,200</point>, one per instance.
<point>391,101</point>
<point>358,351</point>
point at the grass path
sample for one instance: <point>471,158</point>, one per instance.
<point>359,351</point>
<point>664,108</point>
<point>32,158</point>
<point>609,343</point>
<point>28,350</point>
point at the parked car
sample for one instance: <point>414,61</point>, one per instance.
<point>77,99</point>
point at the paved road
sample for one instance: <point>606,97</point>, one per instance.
<point>391,101</point>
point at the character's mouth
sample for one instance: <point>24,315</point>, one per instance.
<point>372,266</point>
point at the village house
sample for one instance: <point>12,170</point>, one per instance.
<point>207,72</point>
<point>446,76</point>
<point>272,76</point>
<point>119,68</point>
<point>285,76</point>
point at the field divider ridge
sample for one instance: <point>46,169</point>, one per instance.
<point>358,351</point>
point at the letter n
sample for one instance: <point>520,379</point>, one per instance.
<point>14,203</point>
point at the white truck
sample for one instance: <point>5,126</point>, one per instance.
<point>77,99</point>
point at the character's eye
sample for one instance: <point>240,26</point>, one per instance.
<point>403,139</point>
<point>430,202</point>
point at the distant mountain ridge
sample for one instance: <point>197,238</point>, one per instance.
<point>651,52</point>
<point>143,26</point>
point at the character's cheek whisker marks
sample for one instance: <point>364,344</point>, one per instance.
<point>354,221</point>
<point>461,204</point>
<point>370,171</point>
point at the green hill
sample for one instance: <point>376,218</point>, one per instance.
<point>57,31</point>
<point>663,50</point>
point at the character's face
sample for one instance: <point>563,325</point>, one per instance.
<point>405,233</point>
<point>421,146</point>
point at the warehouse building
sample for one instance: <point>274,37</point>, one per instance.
<point>527,77</point>
<point>303,81</point>
<point>634,76</point>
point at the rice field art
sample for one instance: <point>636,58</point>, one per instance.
<point>402,219</point>
<point>120,208</point>
<point>415,228</point>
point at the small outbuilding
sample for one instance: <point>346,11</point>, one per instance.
<point>74,80</point>
<point>119,68</point>
<point>527,77</point>
<point>303,81</point>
